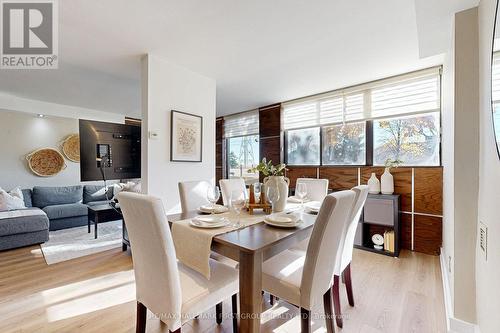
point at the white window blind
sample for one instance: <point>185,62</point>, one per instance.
<point>246,123</point>
<point>417,92</point>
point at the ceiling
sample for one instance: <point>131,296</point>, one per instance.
<point>259,52</point>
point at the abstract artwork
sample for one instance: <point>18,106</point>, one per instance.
<point>185,137</point>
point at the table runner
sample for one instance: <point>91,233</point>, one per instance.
<point>192,245</point>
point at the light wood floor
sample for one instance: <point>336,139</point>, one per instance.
<point>97,294</point>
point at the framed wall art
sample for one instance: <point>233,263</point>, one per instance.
<point>186,137</point>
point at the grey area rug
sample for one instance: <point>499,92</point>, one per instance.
<point>76,242</point>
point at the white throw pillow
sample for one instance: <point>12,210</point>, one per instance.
<point>12,200</point>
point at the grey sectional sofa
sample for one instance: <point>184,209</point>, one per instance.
<point>48,208</point>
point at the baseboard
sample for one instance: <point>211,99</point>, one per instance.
<point>453,324</point>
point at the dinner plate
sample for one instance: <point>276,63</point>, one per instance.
<point>208,209</point>
<point>209,222</point>
<point>283,220</point>
<point>313,206</point>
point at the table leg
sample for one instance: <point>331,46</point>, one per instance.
<point>88,224</point>
<point>124,247</point>
<point>250,291</point>
<point>95,227</point>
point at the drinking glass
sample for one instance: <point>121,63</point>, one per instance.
<point>272,195</point>
<point>213,195</point>
<point>301,192</point>
<point>238,200</point>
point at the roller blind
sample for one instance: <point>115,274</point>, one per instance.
<point>241,124</point>
<point>417,92</point>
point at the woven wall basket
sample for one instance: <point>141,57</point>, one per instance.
<point>46,162</point>
<point>71,148</point>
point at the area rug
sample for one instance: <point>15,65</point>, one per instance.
<point>76,242</point>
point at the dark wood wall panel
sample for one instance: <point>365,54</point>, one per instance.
<point>429,190</point>
<point>340,178</point>
<point>406,231</point>
<point>219,129</point>
<point>218,154</point>
<point>270,148</point>
<point>297,172</point>
<point>219,149</point>
<point>427,234</point>
<point>270,120</point>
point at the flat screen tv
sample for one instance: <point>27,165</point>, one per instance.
<point>112,149</point>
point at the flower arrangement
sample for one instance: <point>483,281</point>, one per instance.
<point>268,169</point>
<point>393,163</point>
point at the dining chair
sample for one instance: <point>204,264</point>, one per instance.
<point>304,279</point>
<point>193,194</point>
<point>170,290</point>
<point>317,189</point>
<point>344,264</point>
<point>229,185</point>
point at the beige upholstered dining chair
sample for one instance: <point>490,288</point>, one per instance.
<point>344,264</point>
<point>173,292</point>
<point>306,279</point>
<point>193,194</point>
<point>229,185</point>
<point>317,189</point>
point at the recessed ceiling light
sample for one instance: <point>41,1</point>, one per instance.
<point>41,115</point>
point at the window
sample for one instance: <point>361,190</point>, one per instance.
<point>303,146</point>
<point>413,140</point>
<point>395,118</point>
<point>242,145</point>
<point>243,154</point>
<point>344,144</point>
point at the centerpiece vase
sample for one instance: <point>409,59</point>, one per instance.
<point>281,183</point>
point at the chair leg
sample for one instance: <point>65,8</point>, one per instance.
<point>305,321</point>
<point>140,326</point>
<point>336,301</point>
<point>218,313</point>
<point>176,331</point>
<point>327,304</point>
<point>271,299</point>
<point>348,284</point>
<point>234,305</point>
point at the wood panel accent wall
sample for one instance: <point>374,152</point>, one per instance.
<point>270,133</point>
<point>219,150</point>
<point>421,198</point>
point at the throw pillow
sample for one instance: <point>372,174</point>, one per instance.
<point>12,200</point>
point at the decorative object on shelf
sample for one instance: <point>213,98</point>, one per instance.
<point>186,137</point>
<point>387,179</point>
<point>46,162</point>
<point>274,177</point>
<point>71,148</point>
<point>373,184</point>
<point>378,241</point>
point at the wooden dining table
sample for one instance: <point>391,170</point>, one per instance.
<point>251,246</point>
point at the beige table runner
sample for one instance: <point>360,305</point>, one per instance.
<point>192,245</point>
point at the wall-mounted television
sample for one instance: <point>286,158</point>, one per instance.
<point>112,149</point>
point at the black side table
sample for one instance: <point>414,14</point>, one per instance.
<point>102,213</point>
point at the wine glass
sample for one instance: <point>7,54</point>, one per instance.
<point>257,188</point>
<point>213,195</point>
<point>301,192</point>
<point>238,201</point>
<point>273,195</point>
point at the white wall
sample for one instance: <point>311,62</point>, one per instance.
<point>166,87</point>
<point>466,162</point>
<point>20,134</point>
<point>488,272</point>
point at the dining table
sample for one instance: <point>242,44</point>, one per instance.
<point>251,246</point>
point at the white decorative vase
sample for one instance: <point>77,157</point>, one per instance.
<point>281,183</point>
<point>373,184</point>
<point>387,182</point>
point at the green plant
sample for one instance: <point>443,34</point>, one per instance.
<point>389,163</point>
<point>268,169</point>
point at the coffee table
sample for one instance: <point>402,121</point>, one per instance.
<point>102,213</point>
